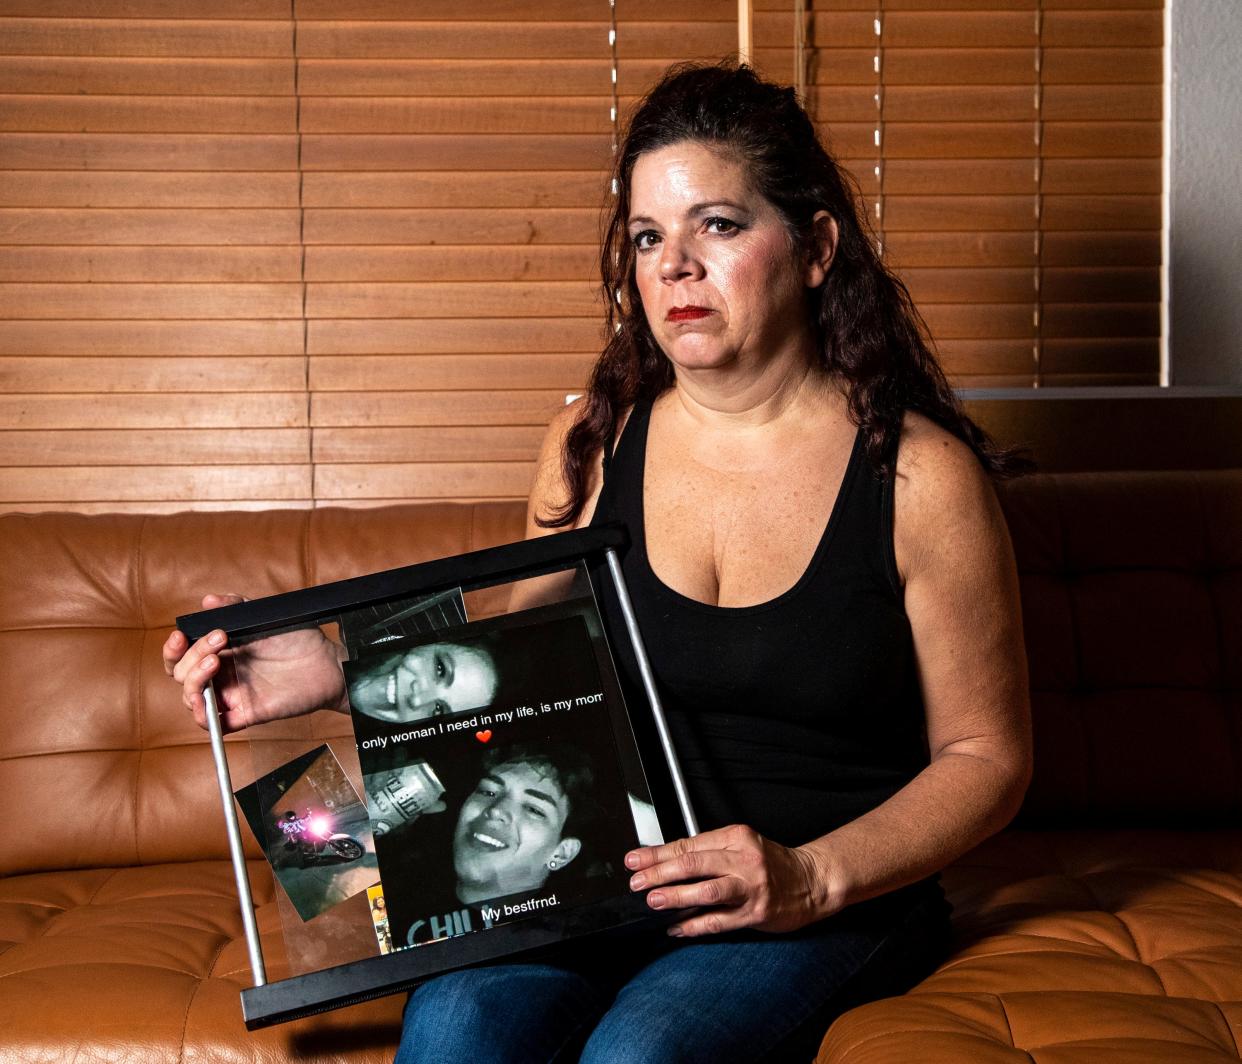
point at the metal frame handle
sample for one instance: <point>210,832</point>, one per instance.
<point>244,897</point>
<point>657,710</point>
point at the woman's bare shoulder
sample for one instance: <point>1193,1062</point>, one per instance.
<point>549,492</point>
<point>943,499</point>
<point>931,457</point>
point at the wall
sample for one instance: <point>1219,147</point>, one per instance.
<point>1205,193</point>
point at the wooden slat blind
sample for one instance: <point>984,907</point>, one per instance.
<point>151,336</point>
<point>305,252</point>
<point>455,160</point>
<point>1019,172</point>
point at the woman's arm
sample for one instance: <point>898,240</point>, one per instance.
<point>279,676</point>
<point>961,595</point>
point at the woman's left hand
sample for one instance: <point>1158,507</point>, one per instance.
<point>744,879</point>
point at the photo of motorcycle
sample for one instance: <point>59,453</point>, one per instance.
<point>313,826</point>
<point>312,840</point>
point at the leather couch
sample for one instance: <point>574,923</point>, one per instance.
<point>1105,926</point>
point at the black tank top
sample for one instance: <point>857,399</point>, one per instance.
<point>798,714</point>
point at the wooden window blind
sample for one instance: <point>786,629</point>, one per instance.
<point>455,160</point>
<point>151,345</point>
<point>1009,154</point>
<point>303,252</point>
<point>307,252</point>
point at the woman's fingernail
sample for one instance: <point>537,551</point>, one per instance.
<point>216,639</point>
<point>631,860</point>
<point>207,662</point>
<point>656,901</point>
<point>675,932</point>
<point>638,881</point>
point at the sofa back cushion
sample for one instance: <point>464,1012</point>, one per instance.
<point>1132,602</point>
<point>99,763</point>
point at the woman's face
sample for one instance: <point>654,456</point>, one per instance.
<point>428,681</point>
<point>719,278</point>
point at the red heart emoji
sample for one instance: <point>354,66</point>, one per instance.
<point>484,736</point>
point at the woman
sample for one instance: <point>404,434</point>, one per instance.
<point>825,587</point>
<point>432,680</point>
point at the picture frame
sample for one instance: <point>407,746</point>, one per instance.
<point>481,796</point>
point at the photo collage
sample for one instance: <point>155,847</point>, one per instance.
<point>492,787</point>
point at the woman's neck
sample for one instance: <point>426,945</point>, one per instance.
<point>781,391</point>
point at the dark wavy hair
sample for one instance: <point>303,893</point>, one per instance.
<point>568,766</point>
<point>867,330</point>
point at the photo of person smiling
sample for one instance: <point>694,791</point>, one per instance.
<point>522,822</point>
<point>432,680</point>
<point>511,802</point>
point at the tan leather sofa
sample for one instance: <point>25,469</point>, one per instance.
<point>1107,927</point>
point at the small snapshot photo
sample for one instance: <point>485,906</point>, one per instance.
<point>314,830</point>
<point>491,774</point>
<point>379,918</point>
<point>420,615</point>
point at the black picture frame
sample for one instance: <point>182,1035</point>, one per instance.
<point>269,1003</point>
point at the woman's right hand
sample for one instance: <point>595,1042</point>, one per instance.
<point>278,676</point>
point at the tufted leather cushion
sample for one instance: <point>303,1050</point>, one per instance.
<point>1076,947</point>
<point>1132,600</point>
<point>145,965</point>
<point>119,931</point>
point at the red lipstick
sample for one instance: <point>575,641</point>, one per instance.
<point>688,313</point>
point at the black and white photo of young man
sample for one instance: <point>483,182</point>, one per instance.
<point>531,824</point>
<point>523,821</point>
<point>499,804</point>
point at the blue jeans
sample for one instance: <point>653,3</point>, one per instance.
<point>650,999</point>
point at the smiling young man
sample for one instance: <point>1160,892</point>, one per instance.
<point>518,825</point>
<point>529,816</point>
